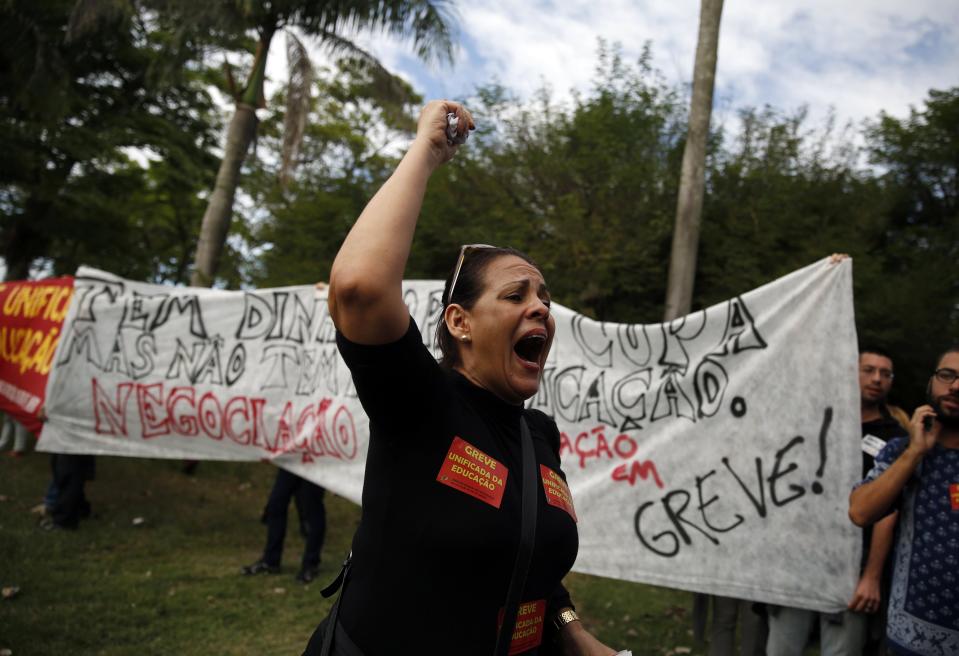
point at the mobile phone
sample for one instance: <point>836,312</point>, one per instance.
<point>927,422</point>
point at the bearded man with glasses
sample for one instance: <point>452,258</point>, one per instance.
<point>919,477</point>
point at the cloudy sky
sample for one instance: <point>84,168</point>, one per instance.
<point>855,56</point>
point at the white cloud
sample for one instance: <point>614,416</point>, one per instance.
<point>858,57</point>
<point>855,56</point>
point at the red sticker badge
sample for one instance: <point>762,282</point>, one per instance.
<point>954,495</point>
<point>528,633</point>
<point>469,470</point>
<point>557,492</point>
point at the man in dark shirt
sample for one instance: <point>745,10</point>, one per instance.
<point>880,423</point>
<point>847,632</point>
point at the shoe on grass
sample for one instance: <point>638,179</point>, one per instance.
<point>307,574</point>
<point>47,524</point>
<point>260,567</point>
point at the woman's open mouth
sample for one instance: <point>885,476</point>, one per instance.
<point>530,347</point>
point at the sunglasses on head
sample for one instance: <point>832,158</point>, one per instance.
<point>464,249</point>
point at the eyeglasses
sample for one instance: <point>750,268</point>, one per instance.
<point>947,376</point>
<point>464,249</point>
<point>869,370</point>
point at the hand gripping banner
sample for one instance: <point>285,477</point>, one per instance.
<point>713,453</point>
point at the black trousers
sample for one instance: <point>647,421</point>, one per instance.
<point>309,498</point>
<point>70,474</point>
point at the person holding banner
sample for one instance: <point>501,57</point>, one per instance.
<point>457,472</point>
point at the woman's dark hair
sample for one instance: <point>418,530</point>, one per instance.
<point>469,287</point>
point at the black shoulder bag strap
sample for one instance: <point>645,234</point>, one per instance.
<point>527,537</point>
<point>337,585</point>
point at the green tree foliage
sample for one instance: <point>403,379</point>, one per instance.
<point>785,195</point>
<point>343,159</point>
<point>136,222</point>
<point>587,189</point>
<point>918,284</point>
<point>72,108</point>
<point>778,199</point>
<point>424,23</point>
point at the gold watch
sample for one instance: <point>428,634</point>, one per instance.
<point>564,617</point>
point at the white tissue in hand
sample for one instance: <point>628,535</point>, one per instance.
<point>452,136</point>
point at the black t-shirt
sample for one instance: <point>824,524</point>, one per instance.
<point>433,554</point>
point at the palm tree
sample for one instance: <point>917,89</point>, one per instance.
<point>424,22</point>
<point>689,207</point>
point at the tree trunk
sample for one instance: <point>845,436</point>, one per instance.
<point>219,211</point>
<point>689,207</point>
<point>17,268</point>
<point>242,130</point>
<point>22,248</point>
<point>27,237</point>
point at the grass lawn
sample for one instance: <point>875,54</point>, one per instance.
<point>171,585</point>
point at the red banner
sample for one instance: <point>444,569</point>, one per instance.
<point>31,320</point>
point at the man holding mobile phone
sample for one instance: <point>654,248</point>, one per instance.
<point>920,478</point>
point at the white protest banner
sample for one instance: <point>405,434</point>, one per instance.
<point>172,372</point>
<point>714,453</point>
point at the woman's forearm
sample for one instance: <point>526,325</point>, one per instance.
<point>378,245</point>
<point>365,296</point>
<point>575,640</point>
<point>367,274</point>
